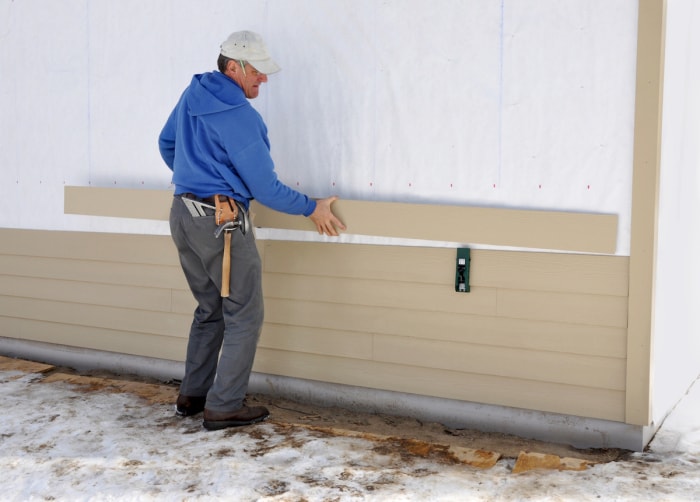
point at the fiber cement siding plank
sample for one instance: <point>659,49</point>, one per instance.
<point>559,307</point>
<point>594,233</point>
<point>556,272</point>
<point>571,369</point>
<point>361,261</point>
<point>96,316</point>
<point>183,302</point>
<point>317,341</point>
<point>358,318</point>
<point>542,396</point>
<point>94,246</point>
<point>109,295</point>
<point>125,274</point>
<point>526,334</point>
<point>91,337</point>
<point>377,293</point>
<point>543,335</point>
<point>118,202</point>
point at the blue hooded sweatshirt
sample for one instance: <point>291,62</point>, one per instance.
<point>215,142</point>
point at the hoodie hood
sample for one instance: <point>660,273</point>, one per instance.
<point>213,93</point>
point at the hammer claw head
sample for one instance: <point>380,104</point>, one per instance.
<point>228,226</point>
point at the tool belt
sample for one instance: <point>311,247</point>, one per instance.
<point>226,209</point>
<point>229,216</point>
<point>228,213</point>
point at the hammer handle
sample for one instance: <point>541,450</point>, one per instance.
<point>226,266</point>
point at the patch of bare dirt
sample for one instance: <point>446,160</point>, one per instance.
<point>407,428</point>
<point>404,434</point>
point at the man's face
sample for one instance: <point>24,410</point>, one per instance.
<point>248,78</point>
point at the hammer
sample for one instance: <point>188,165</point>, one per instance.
<point>226,228</point>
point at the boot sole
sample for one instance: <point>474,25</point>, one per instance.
<point>215,425</point>
<point>186,412</point>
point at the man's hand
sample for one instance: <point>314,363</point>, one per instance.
<point>324,219</point>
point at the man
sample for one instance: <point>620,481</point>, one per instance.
<point>216,144</point>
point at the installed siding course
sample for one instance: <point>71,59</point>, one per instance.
<point>542,331</point>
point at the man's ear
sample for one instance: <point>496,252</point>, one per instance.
<point>231,66</point>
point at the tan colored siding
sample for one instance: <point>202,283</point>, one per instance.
<point>112,339</point>
<point>102,291</point>
<point>595,233</point>
<point>645,206</point>
<point>396,308</point>
<point>583,401</point>
<point>539,331</point>
<point>560,230</point>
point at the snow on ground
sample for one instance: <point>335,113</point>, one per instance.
<point>58,443</point>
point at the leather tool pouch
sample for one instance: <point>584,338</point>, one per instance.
<point>226,209</point>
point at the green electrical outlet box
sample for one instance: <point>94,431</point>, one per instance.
<point>462,271</point>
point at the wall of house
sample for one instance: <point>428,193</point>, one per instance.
<point>677,321</point>
<point>542,334</point>
<point>448,107</point>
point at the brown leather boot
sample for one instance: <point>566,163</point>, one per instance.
<point>215,420</point>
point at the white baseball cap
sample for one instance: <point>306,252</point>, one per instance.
<point>249,46</point>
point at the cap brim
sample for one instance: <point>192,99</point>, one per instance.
<point>266,66</point>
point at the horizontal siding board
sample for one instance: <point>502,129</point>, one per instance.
<point>183,302</point>
<point>556,272</point>
<point>571,369</point>
<point>87,293</point>
<point>544,396</point>
<point>532,335</point>
<point>360,261</point>
<point>335,316</point>
<point>97,316</point>
<point>317,341</point>
<point>118,202</point>
<point>376,293</point>
<point>584,274</point>
<point>91,246</point>
<point>595,233</point>
<point>558,230</point>
<point>126,274</point>
<point>559,307</point>
<point>582,339</point>
<point>90,337</point>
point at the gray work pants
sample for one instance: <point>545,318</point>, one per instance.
<point>225,331</point>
